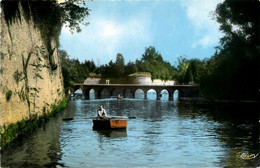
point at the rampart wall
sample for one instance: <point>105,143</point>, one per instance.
<point>29,83</point>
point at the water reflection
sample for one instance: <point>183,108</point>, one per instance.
<point>238,127</point>
<point>139,94</point>
<point>41,148</point>
<point>164,134</point>
<point>118,133</point>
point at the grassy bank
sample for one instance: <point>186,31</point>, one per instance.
<point>13,131</point>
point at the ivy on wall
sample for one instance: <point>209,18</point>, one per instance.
<point>26,82</point>
<point>48,17</point>
<point>8,95</point>
<point>13,131</point>
<point>30,93</point>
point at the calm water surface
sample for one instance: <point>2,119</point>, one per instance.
<point>187,133</point>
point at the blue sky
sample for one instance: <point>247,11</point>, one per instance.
<point>174,27</point>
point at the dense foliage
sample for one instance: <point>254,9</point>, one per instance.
<point>151,62</point>
<point>189,71</point>
<point>47,16</point>
<point>233,72</point>
<point>13,131</point>
<point>113,69</point>
<point>74,71</point>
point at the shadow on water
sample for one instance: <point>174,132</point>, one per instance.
<point>163,134</point>
<point>39,149</point>
<point>239,128</point>
<point>118,133</point>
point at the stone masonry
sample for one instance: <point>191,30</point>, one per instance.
<point>26,73</point>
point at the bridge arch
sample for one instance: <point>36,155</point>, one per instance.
<point>91,94</point>
<point>152,94</point>
<point>130,89</point>
<point>116,92</point>
<point>164,94</point>
<point>85,92</point>
<point>127,93</point>
<point>176,94</point>
<point>139,94</point>
<point>103,93</point>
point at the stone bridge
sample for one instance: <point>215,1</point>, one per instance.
<point>130,89</point>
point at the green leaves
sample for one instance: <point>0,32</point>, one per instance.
<point>17,76</point>
<point>8,95</point>
<point>47,16</point>
<point>73,13</point>
<point>74,71</point>
<point>13,131</point>
<point>189,71</point>
<point>239,18</point>
<point>151,54</point>
<point>229,74</point>
<point>153,62</point>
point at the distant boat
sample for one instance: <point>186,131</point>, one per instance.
<point>119,97</point>
<point>110,123</point>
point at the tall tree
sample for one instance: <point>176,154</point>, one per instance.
<point>153,62</point>
<point>48,16</point>
<point>130,68</point>
<point>90,65</point>
<point>231,71</point>
<point>151,54</point>
<point>239,18</point>
<point>120,64</point>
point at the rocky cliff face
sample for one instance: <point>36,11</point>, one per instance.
<point>30,75</point>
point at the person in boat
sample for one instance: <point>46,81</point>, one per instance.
<point>119,97</point>
<point>102,112</point>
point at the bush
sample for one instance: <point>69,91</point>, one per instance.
<point>13,131</point>
<point>94,75</point>
<point>141,74</point>
<point>9,95</point>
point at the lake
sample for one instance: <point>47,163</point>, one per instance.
<point>179,133</point>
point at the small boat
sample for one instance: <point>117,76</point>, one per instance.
<point>119,97</point>
<point>109,123</point>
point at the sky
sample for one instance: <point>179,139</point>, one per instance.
<point>174,27</point>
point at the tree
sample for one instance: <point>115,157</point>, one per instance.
<point>73,13</point>
<point>230,73</point>
<point>120,61</point>
<point>151,54</point>
<point>153,62</point>
<point>130,68</point>
<point>181,69</point>
<point>239,18</point>
<point>90,65</point>
<point>66,71</point>
<point>120,64</point>
<point>74,71</point>
<point>47,16</point>
<point>188,70</point>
